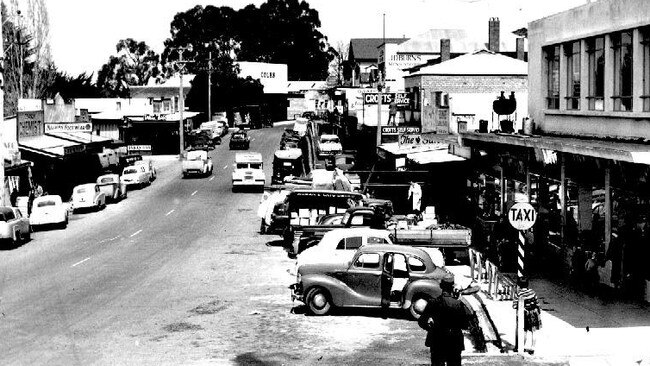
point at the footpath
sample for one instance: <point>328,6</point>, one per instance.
<point>577,329</point>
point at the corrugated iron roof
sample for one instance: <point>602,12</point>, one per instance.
<point>481,62</point>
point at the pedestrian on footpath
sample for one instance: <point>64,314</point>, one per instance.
<point>444,319</point>
<point>532,318</point>
<point>392,112</point>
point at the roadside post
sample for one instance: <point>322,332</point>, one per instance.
<point>522,216</point>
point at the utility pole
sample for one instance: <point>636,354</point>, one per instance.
<point>181,100</point>
<point>209,86</point>
<point>381,82</point>
<point>2,118</point>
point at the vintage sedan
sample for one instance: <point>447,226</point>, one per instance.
<point>340,245</point>
<point>14,227</point>
<point>401,276</point>
<point>49,210</point>
<point>112,187</point>
<point>88,196</point>
<point>329,145</point>
<point>136,175</point>
<point>148,164</point>
<point>239,140</point>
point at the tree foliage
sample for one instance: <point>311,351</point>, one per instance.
<point>135,64</point>
<point>71,87</point>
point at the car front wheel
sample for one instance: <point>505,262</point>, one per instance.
<point>318,301</point>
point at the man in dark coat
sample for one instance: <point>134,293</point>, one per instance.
<point>444,319</point>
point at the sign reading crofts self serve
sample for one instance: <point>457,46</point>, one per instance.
<point>401,99</point>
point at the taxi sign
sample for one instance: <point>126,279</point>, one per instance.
<point>522,216</point>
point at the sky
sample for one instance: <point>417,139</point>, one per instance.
<point>83,33</point>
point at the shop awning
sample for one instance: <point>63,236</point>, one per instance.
<point>606,149</point>
<point>50,146</point>
<point>435,156</point>
<point>397,149</point>
<point>81,137</point>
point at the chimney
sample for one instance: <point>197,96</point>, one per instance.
<point>445,49</point>
<point>520,49</point>
<point>493,34</point>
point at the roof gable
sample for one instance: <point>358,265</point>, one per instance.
<point>481,62</point>
<point>366,48</point>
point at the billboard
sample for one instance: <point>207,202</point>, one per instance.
<point>274,77</point>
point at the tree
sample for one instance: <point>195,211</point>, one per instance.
<point>285,31</point>
<point>71,87</point>
<point>338,64</point>
<point>134,64</point>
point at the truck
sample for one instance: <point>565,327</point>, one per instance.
<point>249,171</point>
<point>197,162</point>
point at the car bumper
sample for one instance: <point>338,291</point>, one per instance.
<point>296,292</point>
<point>249,182</point>
<point>45,220</point>
<point>77,205</point>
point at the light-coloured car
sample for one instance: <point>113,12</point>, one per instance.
<point>49,210</point>
<point>137,175</point>
<point>249,171</point>
<point>88,196</point>
<point>14,227</point>
<point>197,162</point>
<point>329,145</point>
<point>112,187</point>
<point>339,245</point>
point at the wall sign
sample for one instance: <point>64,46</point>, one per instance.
<point>68,127</point>
<point>30,124</point>
<point>399,130</point>
<point>401,99</point>
<point>138,147</point>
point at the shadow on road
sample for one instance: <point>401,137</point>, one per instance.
<point>301,309</point>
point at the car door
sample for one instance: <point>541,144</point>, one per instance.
<point>386,279</point>
<point>23,223</point>
<point>363,279</point>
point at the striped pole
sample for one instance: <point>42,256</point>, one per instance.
<point>520,255</point>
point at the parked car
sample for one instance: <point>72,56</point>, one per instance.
<point>137,175</point>
<point>339,245</point>
<point>49,210</point>
<point>405,276</point>
<point>148,164</point>
<point>197,162</point>
<point>239,140</point>
<point>14,227</point>
<point>112,187</point>
<point>329,145</point>
<point>88,196</point>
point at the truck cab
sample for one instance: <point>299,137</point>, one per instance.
<point>249,171</point>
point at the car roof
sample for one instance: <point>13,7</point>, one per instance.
<point>288,154</point>
<point>248,157</point>
<point>49,197</point>
<point>397,249</point>
<point>328,136</point>
<point>85,185</point>
<point>5,209</point>
<point>107,175</point>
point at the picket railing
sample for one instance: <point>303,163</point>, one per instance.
<point>483,271</point>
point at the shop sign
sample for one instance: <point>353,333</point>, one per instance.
<point>68,150</point>
<point>401,99</point>
<point>138,147</point>
<point>399,130</point>
<point>68,127</point>
<point>522,216</point>
<point>30,124</point>
<point>418,140</point>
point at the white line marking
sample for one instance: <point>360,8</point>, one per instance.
<point>193,193</point>
<point>169,213</point>
<point>135,233</point>
<point>225,167</point>
<point>211,178</point>
<point>78,263</point>
<point>253,139</point>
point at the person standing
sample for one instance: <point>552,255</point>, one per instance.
<point>392,112</point>
<point>444,319</point>
<point>415,192</point>
<point>532,318</point>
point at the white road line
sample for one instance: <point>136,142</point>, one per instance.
<point>193,193</point>
<point>253,139</point>
<point>211,178</point>
<point>169,213</point>
<point>225,167</point>
<point>135,233</point>
<point>78,263</point>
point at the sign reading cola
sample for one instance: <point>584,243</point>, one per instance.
<point>401,99</point>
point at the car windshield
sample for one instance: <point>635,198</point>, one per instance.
<point>256,166</point>
<point>106,180</point>
<point>130,171</point>
<point>46,203</point>
<point>81,190</point>
<point>330,140</point>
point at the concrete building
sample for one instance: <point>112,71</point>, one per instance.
<point>585,165</point>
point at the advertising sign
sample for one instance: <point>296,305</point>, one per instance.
<point>138,147</point>
<point>399,130</point>
<point>420,140</point>
<point>401,99</point>
<point>30,124</point>
<point>68,127</point>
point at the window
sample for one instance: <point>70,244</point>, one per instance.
<point>596,76</point>
<point>645,42</point>
<point>553,77</point>
<point>572,52</point>
<point>156,106</point>
<point>416,265</point>
<point>622,47</point>
<point>376,240</point>
<point>367,260</point>
<point>167,105</point>
<point>350,243</point>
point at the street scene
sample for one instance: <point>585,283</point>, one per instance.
<point>258,187</point>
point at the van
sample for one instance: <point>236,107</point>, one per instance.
<point>249,171</point>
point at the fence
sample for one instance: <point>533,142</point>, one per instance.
<point>499,286</point>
